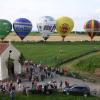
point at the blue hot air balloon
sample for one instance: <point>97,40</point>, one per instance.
<point>22,27</point>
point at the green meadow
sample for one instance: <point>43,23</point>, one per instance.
<point>88,64</point>
<point>57,53</point>
<point>47,97</point>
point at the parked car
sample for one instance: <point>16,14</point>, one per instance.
<point>77,90</point>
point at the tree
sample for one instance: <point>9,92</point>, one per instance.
<point>21,59</point>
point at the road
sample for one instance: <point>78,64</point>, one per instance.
<point>57,78</point>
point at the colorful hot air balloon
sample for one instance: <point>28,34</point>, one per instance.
<point>92,27</point>
<point>5,28</point>
<point>46,26</point>
<point>22,27</point>
<point>64,25</point>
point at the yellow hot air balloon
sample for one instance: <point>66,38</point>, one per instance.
<point>64,25</point>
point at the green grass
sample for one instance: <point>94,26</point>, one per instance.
<point>52,53</point>
<point>89,64</point>
<point>49,97</point>
<point>32,33</point>
<point>38,34</point>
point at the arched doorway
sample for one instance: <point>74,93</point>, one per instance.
<point>10,66</point>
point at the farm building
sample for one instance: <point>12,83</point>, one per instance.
<point>9,61</point>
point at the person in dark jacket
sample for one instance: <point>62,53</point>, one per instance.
<point>12,94</point>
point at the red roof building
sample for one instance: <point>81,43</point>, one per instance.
<point>7,50</point>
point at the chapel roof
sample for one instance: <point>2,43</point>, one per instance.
<point>3,47</point>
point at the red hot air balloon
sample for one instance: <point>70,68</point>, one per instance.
<point>92,27</point>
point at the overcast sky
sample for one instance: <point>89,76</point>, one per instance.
<point>79,10</point>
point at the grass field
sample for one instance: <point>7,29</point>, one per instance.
<point>53,53</point>
<point>48,97</point>
<point>89,64</point>
<point>30,34</point>
<point>38,33</point>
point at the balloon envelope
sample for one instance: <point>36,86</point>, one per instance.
<point>22,27</point>
<point>64,25</point>
<point>46,25</point>
<point>92,27</point>
<point>5,28</point>
<point>45,36</point>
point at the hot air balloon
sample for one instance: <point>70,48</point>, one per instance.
<point>46,26</point>
<point>64,25</point>
<point>92,27</point>
<point>45,36</point>
<point>5,28</point>
<point>22,27</point>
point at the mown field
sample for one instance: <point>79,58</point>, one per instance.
<point>48,97</point>
<point>55,53</point>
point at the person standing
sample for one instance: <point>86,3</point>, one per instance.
<point>66,84</point>
<point>60,85</point>
<point>12,94</point>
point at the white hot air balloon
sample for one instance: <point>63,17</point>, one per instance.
<point>46,26</point>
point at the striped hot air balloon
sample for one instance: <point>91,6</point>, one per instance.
<point>92,27</point>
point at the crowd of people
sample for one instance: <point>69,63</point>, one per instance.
<point>38,73</point>
<point>33,73</point>
<point>8,88</point>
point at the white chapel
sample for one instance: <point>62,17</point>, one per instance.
<point>7,50</point>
